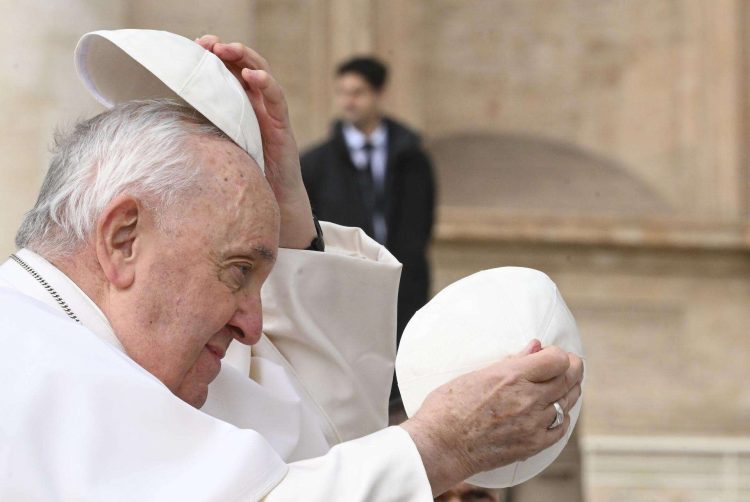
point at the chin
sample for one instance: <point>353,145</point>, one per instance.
<point>194,387</point>
<point>194,391</point>
<point>195,398</point>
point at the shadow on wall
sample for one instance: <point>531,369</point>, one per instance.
<point>536,175</point>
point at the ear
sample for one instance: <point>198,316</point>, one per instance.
<point>118,234</point>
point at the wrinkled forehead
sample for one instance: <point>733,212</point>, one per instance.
<point>218,156</point>
<point>236,197</point>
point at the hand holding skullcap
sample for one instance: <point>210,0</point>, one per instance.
<point>476,322</point>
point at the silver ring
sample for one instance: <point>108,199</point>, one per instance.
<point>559,416</point>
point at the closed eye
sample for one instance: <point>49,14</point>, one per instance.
<point>241,274</point>
<point>245,270</point>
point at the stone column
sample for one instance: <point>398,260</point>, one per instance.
<point>39,91</point>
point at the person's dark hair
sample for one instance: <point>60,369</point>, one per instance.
<point>369,68</point>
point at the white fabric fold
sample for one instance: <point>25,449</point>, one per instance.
<point>85,309</point>
<point>332,317</point>
<point>82,421</point>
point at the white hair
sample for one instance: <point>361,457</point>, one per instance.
<point>140,147</point>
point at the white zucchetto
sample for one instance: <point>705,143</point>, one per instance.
<point>123,65</point>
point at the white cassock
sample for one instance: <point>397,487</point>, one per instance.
<point>80,420</point>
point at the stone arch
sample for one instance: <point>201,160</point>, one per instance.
<point>535,175</point>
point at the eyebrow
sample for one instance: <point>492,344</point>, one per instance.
<point>264,253</point>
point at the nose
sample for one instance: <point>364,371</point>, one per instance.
<point>247,322</point>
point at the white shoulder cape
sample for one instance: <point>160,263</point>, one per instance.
<point>88,423</point>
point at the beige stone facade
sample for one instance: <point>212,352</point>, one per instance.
<point>604,142</point>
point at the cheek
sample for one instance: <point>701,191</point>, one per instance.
<point>201,305</point>
<point>181,322</point>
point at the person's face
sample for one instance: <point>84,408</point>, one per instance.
<point>464,492</point>
<point>197,286</point>
<point>356,100</point>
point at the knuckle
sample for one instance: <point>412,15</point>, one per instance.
<point>563,356</point>
<point>560,357</point>
<point>263,77</point>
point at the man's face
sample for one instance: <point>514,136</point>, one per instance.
<point>198,285</point>
<point>357,101</point>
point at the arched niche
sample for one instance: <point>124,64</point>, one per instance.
<point>525,174</point>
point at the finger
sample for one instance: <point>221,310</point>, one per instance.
<point>559,389</point>
<point>566,402</point>
<point>549,413</point>
<point>544,365</point>
<point>256,101</point>
<point>552,390</point>
<point>571,398</point>
<point>273,96</point>
<point>533,347</point>
<point>207,41</point>
<point>241,55</point>
<point>556,434</point>
<point>575,372</point>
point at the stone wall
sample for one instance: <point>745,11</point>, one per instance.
<point>604,143</point>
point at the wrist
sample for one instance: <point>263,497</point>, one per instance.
<point>317,244</point>
<point>297,226</point>
<point>442,462</point>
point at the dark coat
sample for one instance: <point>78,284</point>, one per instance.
<point>331,181</point>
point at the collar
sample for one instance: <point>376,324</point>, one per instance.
<point>82,306</point>
<point>355,139</point>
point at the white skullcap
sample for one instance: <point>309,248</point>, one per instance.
<point>478,321</point>
<point>123,65</point>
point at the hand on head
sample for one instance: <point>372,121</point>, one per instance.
<point>280,150</point>
<point>495,416</point>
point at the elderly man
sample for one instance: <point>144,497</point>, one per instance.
<point>144,258</point>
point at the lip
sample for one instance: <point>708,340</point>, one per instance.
<point>217,351</point>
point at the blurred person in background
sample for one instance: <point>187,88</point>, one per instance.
<point>465,492</point>
<point>372,173</point>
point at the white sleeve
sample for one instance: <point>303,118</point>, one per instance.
<point>384,466</point>
<point>329,318</point>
